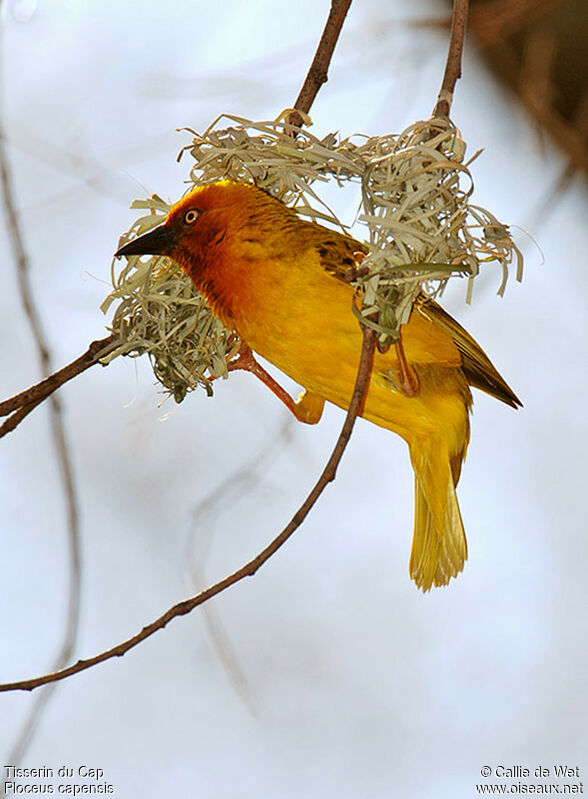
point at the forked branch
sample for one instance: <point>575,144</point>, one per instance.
<point>319,69</point>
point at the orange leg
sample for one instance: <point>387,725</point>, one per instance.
<point>307,408</point>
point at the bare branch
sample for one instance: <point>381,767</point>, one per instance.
<point>459,21</point>
<point>17,416</point>
<point>59,442</point>
<point>319,69</point>
<point>40,391</point>
<point>250,568</point>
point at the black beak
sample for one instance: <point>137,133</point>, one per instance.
<point>160,241</point>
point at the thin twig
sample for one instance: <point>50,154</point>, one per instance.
<point>16,417</point>
<point>319,69</point>
<point>40,391</point>
<point>459,21</point>
<point>250,568</point>
<point>60,445</point>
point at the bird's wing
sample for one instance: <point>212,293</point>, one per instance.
<point>477,367</point>
<point>339,257</point>
<point>338,254</point>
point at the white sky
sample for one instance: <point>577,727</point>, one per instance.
<point>356,684</point>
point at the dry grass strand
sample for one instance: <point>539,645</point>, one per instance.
<point>415,205</point>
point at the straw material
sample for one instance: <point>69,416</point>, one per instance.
<point>421,228</point>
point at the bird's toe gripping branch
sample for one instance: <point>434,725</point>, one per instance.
<point>407,379</point>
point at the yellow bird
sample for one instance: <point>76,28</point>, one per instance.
<point>274,279</point>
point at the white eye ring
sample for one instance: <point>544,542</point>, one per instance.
<point>191,216</point>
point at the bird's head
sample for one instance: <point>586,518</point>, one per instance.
<point>199,222</point>
<point>215,233</point>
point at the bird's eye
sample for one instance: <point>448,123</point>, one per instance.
<point>190,216</point>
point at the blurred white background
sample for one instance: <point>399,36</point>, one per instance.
<point>342,680</point>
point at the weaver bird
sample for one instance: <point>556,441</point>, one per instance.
<point>275,280</point>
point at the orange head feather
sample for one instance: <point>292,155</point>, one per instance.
<point>212,226</point>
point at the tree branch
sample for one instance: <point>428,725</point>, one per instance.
<point>60,445</point>
<point>452,74</point>
<point>26,400</point>
<point>319,69</point>
<point>250,568</point>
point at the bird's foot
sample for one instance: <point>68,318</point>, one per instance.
<point>307,408</point>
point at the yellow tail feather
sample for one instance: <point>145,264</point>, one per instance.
<point>439,547</point>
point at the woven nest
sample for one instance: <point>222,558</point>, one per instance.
<point>422,230</point>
